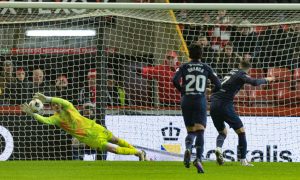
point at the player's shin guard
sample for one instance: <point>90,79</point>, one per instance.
<point>124,143</point>
<point>220,140</point>
<point>199,144</point>
<point>242,146</point>
<point>126,151</point>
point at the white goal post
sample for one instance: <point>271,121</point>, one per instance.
<point>117,61</point>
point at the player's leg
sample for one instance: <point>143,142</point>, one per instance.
<point>125,148</point>
<point>124,151</point>
<point>217,115</point>
<point>106,137</point>
<point>198,132</point>
<point>236,123</point>
<point>187,114</point>
<point>120,142</point>
<point>200,119</point>
<point>242,146</point>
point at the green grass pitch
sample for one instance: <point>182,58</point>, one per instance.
<point>104,170</point>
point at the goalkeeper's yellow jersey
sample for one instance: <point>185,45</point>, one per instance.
<point>70,120</point>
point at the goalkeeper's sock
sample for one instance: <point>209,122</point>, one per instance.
<point>199,144</point>
<point>126,151</point>
<point>220,140</point>
<point>242,146</point>
<point>189,140</point>
<point>123,143</point>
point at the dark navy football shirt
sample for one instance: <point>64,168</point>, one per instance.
<point>194,76</point>
<point>233,82</point>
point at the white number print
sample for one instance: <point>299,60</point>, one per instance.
<point>196,82</point>
<point>226,78</point>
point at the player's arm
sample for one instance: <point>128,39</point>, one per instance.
<point>256,82</point>
<point>46,120</point>
<point>214,80</point>
<point>64,103</point>
<point>176,79</point>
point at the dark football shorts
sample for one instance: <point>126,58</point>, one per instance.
<point>221,112</point>
<point>194,110</point>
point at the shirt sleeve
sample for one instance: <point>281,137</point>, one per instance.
<point>176,79</point>
<point>52,120</point>
<point>214,80</point>
<point>64,103</point>
<point>254,82</point>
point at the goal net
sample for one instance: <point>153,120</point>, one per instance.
<point>116,66</point>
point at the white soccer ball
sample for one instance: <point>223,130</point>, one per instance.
<point>36,105</point>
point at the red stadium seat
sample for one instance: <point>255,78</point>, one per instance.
<point>242,97</point>
<point>256,73</point>
<point>297,74</point>
<point>297,82</point>
<point>261,97</point>
<point>281,74</point>
<point>297,88</point>
<point>285,85</point>
<point>284,97</point>
<point>282,85</point>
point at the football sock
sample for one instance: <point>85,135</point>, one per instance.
<point>126,151</point>
<point>189,140</point>
<point>124,143</point>
<point>199,144</point>
<point>242,145</point>
<point>220,140</point>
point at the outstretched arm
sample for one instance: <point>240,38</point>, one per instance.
<point>256,82</point>
<point>64,103</point>
<point>46,120</point>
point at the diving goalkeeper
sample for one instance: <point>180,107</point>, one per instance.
<point>68,118</point>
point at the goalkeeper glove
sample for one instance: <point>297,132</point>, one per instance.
<point>26,108</point>
<point>42,97</point>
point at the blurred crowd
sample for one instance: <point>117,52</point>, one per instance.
<point>143,80</point>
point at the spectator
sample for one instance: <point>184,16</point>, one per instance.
<point>221,32</point>
<point>191,32</point>
<point>245,40</point>
<point>255,63</point>
<point>296,58</point>
<point>19,91</point>
<point>273,44</point>
<point>88,93</point>
<point>163,73</point>
<point>115,93</point>
<point>40,85</point>
<point>227,60</point>
<point>223,18</point>
<point>208,54</point>
<point>63,90</point>
<point>292,44</point>
<point>6,78</point>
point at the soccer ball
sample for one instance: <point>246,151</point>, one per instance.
<point>36,105</point>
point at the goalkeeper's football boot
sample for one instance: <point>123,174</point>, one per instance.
<point>198,165</point>
<point>187,158</point>
<point>142,157</point>
<point>219,156</point>
<point>244,162</point>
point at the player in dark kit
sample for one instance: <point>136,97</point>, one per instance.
<point>194,76</point>
<point>222,110</point>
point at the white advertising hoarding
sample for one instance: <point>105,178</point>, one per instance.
<point>270,139</point>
